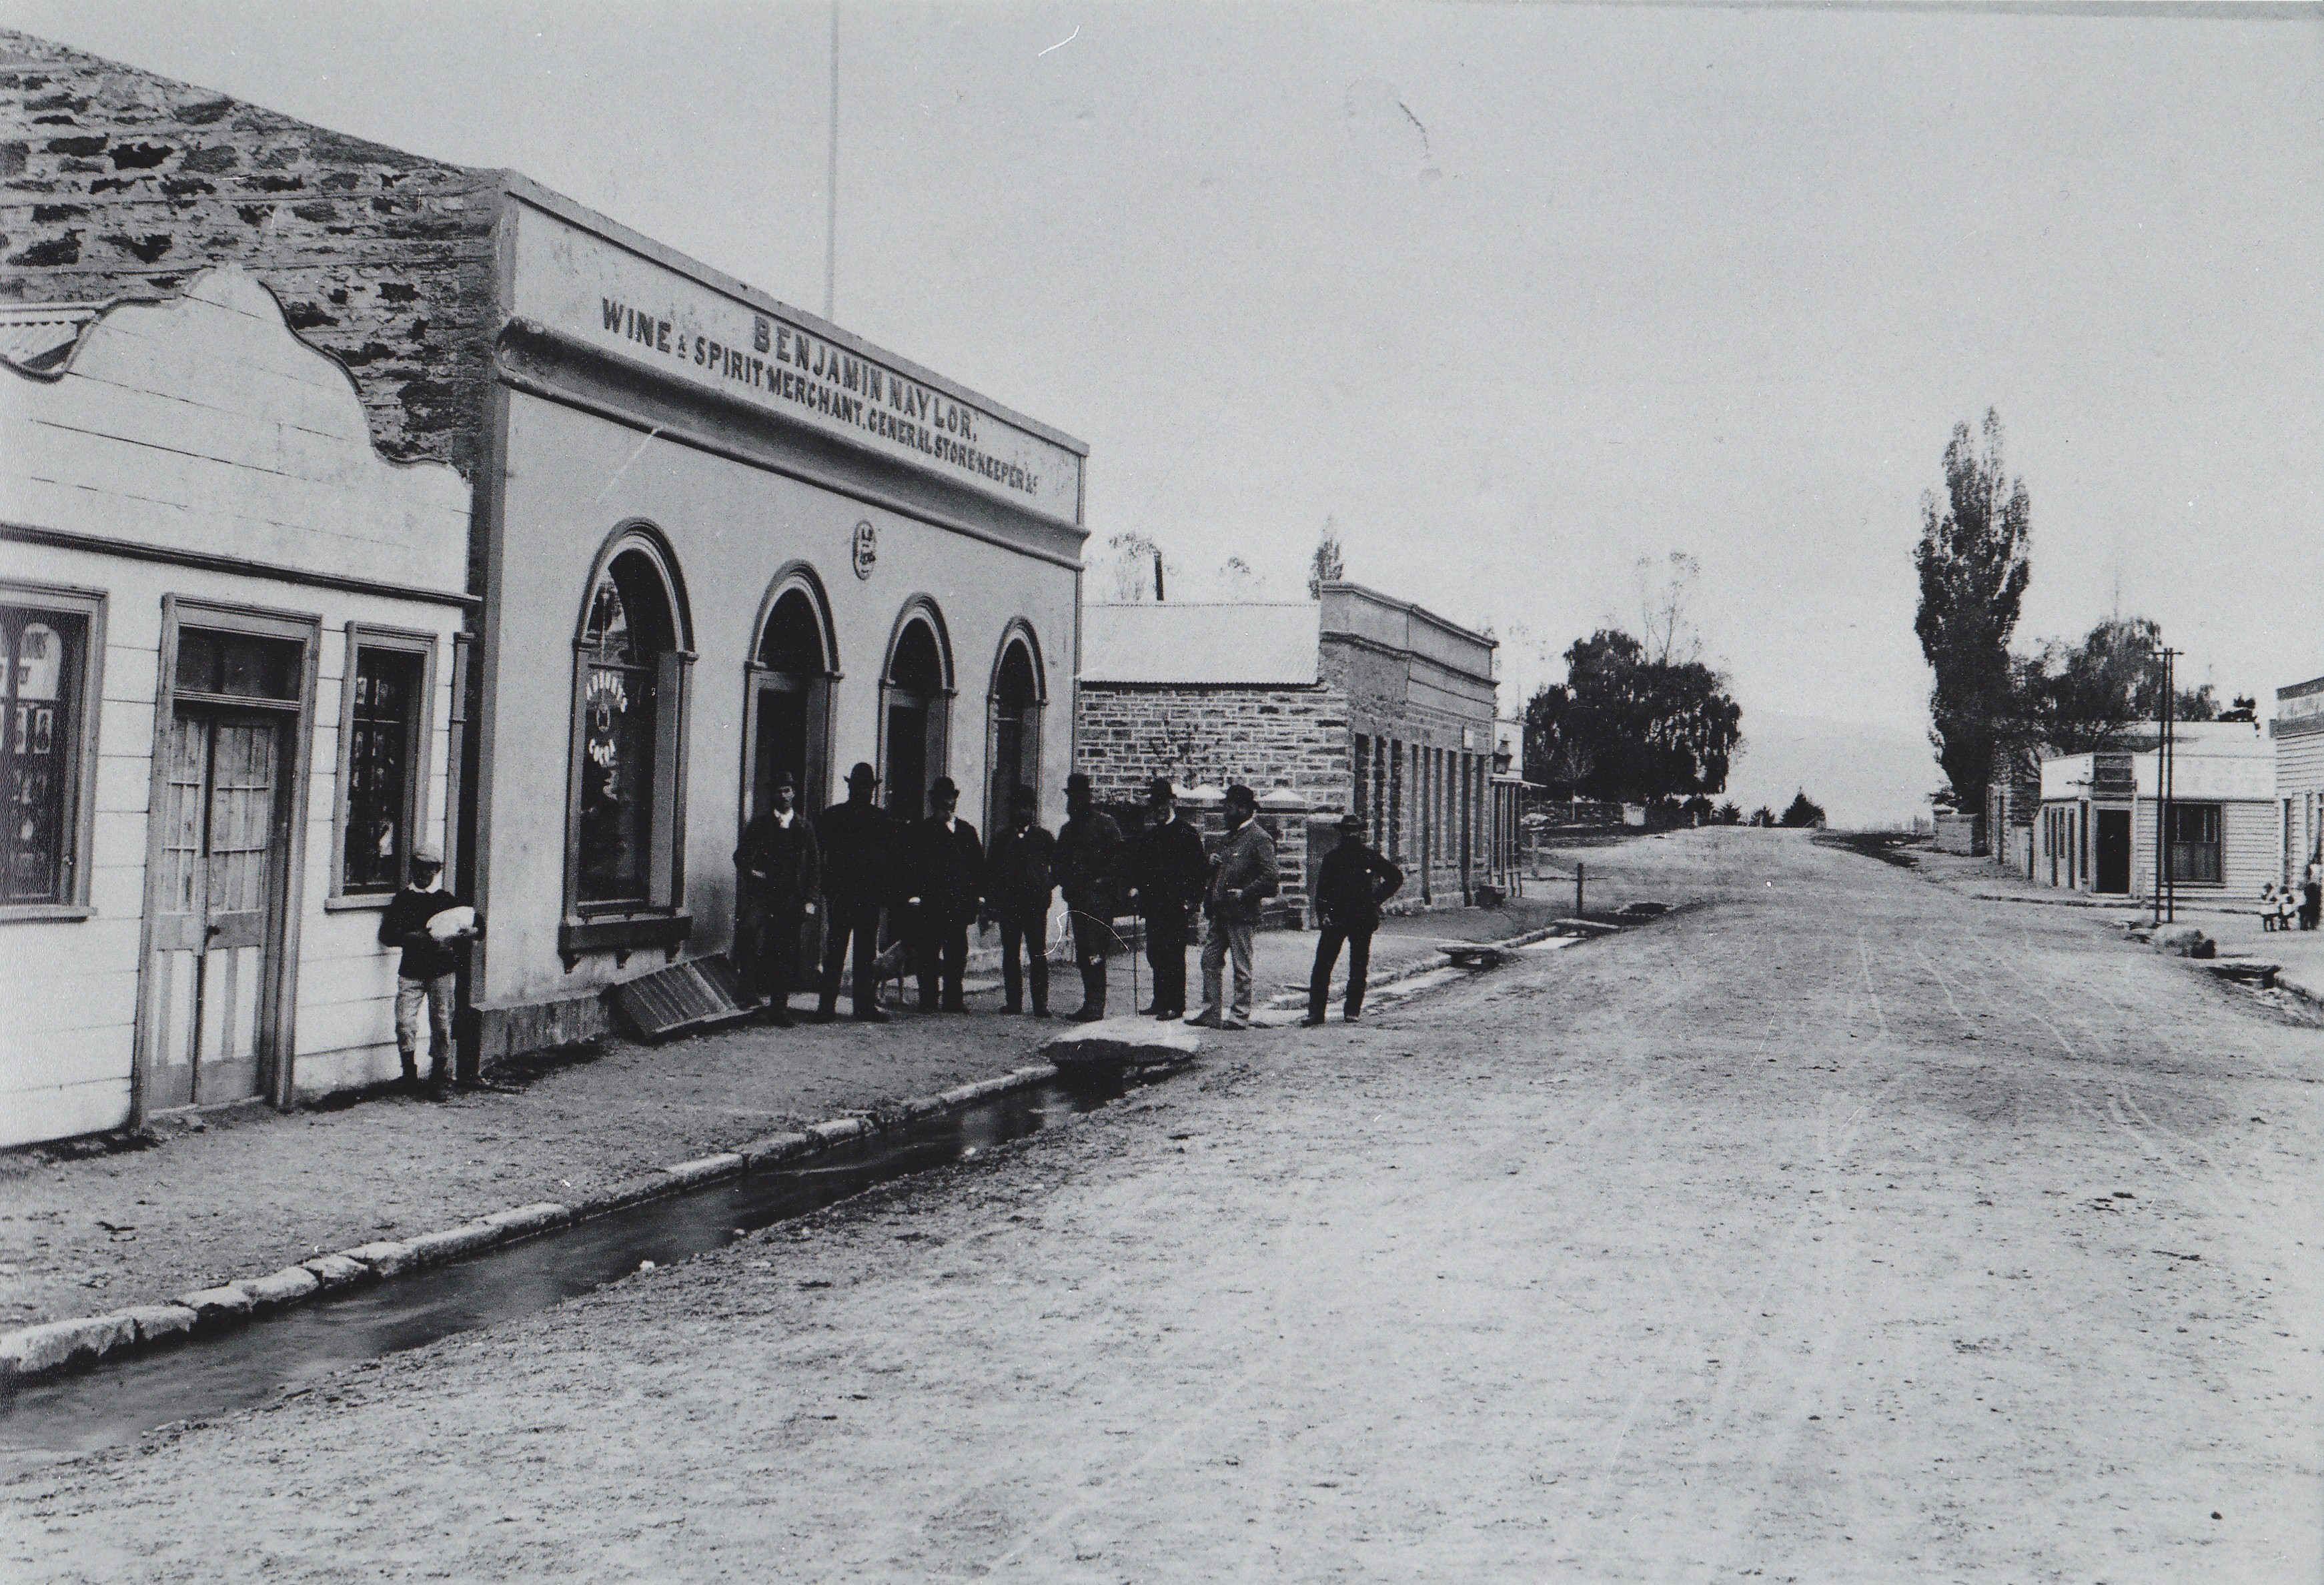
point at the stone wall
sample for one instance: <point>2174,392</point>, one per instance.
<point>115,182</point>
<point>1264,737</point>
<point>1420,711</point>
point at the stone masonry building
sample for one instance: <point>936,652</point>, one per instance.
<point>1352,702</point>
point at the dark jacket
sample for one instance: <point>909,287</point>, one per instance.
<point>946,869</point>
<point>858,854</point>
<point>1246,861</point>
<point>1352,883</point>
<point>405,924</point>
<point>780,869</point>
<point>1020,872</point>
<point>1089,863</point>
<point>1170,868</point>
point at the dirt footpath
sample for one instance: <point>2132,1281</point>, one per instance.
<point>242,1191</point>
<point>1837,1232</point>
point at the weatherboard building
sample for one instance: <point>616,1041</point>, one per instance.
<point>701,539</point>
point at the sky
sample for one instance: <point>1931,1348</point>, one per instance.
<point>1511,296</point>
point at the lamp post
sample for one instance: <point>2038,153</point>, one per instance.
<point>2166,891</point>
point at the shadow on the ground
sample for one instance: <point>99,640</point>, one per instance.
<point>1883,846</point>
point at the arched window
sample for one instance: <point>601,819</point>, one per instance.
<point>1014,758</point>
<point>916,709</point>
<point>787,719</point>
<point>629,733</point>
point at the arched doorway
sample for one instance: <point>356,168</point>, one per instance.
<point>1015,757</point>
<point>786,715</point>
<point>916,708</point>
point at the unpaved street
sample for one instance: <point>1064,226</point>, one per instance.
<point>1841,1229</point>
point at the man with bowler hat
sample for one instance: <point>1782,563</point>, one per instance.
<point>1243,876</point>
<point>1020,872</point>
<point>1352,883</point>
<point>859,871</point>
<point>1168,872</point>
<point>1089,864</point>
<point>779,865</point>
<point>946,863</point>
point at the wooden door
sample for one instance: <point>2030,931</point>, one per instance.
<point>2113,851</point>
<point>214,924</point>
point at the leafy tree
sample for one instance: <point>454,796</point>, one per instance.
<point>1697,810</point>
<point>1726,813</point>
<point>1803,811</point>
<point>1974,571</point>
<point>1763,815</point>
<point>1326,565</point>
<point>2074,698</point>
<point>1628,729</point>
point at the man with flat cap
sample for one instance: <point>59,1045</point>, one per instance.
<point>1168,874</point>
<point>946,866</point>
<point>1020,872</point>
<point>1243,876</point>
<point>858,874</point>
<point>1089,872</point>
<point>432,927</point>
<point>1350,885</point>
<point>779,866</point>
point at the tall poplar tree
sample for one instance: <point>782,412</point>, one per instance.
<point>1973,571</point>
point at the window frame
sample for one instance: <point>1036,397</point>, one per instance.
<point>362,636</point>
<point>76,825</point>
<point>2217,846</point>
<point>659,917</point>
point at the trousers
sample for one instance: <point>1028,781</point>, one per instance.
<point>940,954</point>
<point>1227,938</point>
<point>1166,952</point>
<point>771,953</point>
<point>1093,937</point>
<point>1028,931</point>
<point>859,922</point>
<point>1328,942</point>
<point>437,994</point>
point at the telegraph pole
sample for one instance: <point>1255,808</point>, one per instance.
<point>831,185</point>
<point>2166,891</point>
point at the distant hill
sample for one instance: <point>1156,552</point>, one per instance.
<point>1863,775</point>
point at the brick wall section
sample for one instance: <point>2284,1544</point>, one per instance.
<point>115,182</point>
<point>1264,737</point>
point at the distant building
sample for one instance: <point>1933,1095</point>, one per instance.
<point>2096,831</point>
<point>2299,732</point>
<point>1355,702</point>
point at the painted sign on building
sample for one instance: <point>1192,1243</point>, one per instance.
<point>595,290</point>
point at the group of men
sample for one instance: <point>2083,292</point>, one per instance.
<point>935,878</point>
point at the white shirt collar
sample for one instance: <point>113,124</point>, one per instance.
<point>783,817</point>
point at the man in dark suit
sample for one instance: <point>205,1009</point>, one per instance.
<point>779,869</point>
<point>1168,873</point>
<point>1020,871</point>
<point>1089,865</point>
<point>859,874</point>
<point>1350,887</point>
<point>947,885</point>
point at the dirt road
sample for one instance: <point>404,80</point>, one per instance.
<point>1840,1230</point>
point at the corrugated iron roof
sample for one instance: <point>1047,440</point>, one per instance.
<point>38,336</point>
<point>1226,645</point>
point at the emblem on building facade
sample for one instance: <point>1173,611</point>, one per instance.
<point>867,550</point>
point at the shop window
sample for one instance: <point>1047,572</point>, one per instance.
<point>239,665</point>
<point>916,710</point>
<point>46,749</point>
<point>1016,707</point>
<point>629,710</point>
<point>382,758</point>
<point>2195,843</point>
<point>1362,806</point>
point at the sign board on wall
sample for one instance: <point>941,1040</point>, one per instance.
<point>600,293</point>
